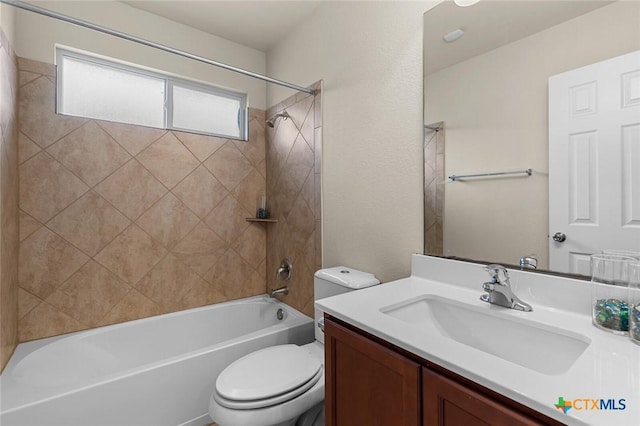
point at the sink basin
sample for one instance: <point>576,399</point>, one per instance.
<point>545,349</point>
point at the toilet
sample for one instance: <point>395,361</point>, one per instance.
<point>284,384</point>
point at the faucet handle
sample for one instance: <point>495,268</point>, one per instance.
<point>498,273</point>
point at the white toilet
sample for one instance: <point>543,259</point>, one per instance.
<point>283,385</point>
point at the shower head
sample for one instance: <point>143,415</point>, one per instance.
<point>272,121</point>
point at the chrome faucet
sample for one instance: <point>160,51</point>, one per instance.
<point>498,290</point>
<point>282,290</point>
<point>529,262</point>
<point>284,271</point>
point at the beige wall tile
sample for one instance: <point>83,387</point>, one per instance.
<point>44,321</point>
<point>26,148</point>
<point>131,189</point>
<point>90,223</point>
<point>262,168</point>
<point>168,282</point>
<point>232,271</point>
<point>168,160</point>
<point>89,153</point>
<point>254,286</point>
<point>308,255</point>
<point>308,190</point>
<point>203,293</point>
<point>132,138</point>
<point>201,146</point>
<point>25,77</point>
<point>250,191</point>
<point>46,261</point>
<point>254,148</point>
<point>282,195</point>
<point>299,162</point>
<point>46,187</point>
<point>317,151</point>
<point>37,67</point>
<point>228,165</point>
<point>38,119</point>
<point>9,222</point>
<point>200,191</point>
<point>168,221</point>
<point>300,111</point>
<point>318,234</point>
<point>307,130</point>
<point>62,289</point>
<point>301,221</point>
<point>26,302</point>
<point>258,114</point>
<point>133,306</point>
<point>200,249</point>
<point>89,294</point>
<point>293,189</point>
<point>251,245</point>
<point>131,255</point>
<point>228,219</point>
<point>282,142</point>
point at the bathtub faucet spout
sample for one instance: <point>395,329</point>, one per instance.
<point>277,291</point>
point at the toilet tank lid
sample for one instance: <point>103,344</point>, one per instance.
<point>347,277</point>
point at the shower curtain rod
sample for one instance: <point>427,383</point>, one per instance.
<point>99,28</point>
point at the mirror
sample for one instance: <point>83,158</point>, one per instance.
<point>486,110</point>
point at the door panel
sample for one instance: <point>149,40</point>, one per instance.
<point>594,161</point>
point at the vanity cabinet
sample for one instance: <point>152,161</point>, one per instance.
<point>367,383</point>
<point>370,382</point>
<point>446,402</point>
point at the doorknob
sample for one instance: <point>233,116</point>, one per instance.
<point>559,237</point>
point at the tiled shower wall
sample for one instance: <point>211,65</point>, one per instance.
<point>293,194</point>
<point>433,188</point>
<point>119,222</point>
<point>8,202</point>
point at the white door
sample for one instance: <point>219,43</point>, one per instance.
<point>594,162</point>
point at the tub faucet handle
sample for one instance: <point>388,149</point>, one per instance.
<point>285,270</point>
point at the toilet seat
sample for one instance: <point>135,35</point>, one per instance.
<point>267,377</point>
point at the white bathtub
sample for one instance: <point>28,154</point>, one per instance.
<point>154,371</point>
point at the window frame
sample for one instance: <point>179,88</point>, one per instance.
<point>169,82</point>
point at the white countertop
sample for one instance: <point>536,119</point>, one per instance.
<point>609,368</point>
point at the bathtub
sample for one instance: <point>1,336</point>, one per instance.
<point>154,371</point>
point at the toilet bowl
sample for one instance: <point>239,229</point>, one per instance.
<point>284,384</point>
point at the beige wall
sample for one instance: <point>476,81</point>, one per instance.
<point>369,56</point>
<point>8,199</point>
<point>39,45</point>
<point>119,222</point>
<point>495,111</point>
<point>293,191</point>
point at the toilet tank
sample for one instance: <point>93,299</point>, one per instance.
<point>334,281</point>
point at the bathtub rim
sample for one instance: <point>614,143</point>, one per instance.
<point>17,400</point>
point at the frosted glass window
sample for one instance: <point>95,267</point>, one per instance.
<point>105,93</point>
<point>98,88</point>
<point>213,113</point>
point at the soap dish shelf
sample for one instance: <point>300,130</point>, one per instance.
<point>255,219</point>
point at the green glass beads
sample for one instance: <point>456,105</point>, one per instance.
<point>612,314</point>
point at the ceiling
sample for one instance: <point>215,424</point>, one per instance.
<point>256,24</point>
<point>491,24</point>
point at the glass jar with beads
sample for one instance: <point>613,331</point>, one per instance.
<point>634,301</point>
<point>610,292</point>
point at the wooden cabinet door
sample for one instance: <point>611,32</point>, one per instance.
<point>367,384</point>
<point>448,403</point>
